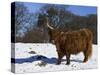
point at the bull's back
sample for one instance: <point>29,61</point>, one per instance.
<point>76,41</point>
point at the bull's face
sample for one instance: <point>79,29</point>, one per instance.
<point>53,34</point>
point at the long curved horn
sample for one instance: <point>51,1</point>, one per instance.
<point>50,27</point>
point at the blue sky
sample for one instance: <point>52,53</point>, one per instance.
<point>82,10</point>
<point>78,10</point>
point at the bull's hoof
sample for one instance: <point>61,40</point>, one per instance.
<point>57,63</point>
<point>85,60</point>
<point>68,63</point>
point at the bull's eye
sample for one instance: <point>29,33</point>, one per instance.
<point>50,40</point>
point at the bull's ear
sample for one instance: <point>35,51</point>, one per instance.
<point>47,23</point>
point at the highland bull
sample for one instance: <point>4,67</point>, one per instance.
<point>71,42</point>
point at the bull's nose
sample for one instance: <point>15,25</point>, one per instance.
<point>53,41</point>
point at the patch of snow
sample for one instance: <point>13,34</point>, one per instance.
<point>47,52</point>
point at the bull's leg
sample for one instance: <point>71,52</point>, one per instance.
<point>59,59</point>
<point>67,58</point>
<point>85,56</point>
<point>60,56</point>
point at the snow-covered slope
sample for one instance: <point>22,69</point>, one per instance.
<point>45,57</point>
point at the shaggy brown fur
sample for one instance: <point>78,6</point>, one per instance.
<point>71,42</point>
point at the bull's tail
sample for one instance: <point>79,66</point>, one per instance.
<point>89,50</point>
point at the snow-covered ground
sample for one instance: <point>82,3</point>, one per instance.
<point>39,57</point>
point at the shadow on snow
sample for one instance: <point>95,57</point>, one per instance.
<point>34,58</point>
<point>39,57</point>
